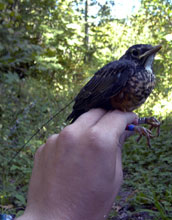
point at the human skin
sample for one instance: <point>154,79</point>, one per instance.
<point>78,172</point>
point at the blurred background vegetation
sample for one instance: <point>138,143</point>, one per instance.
<point>48,50</point>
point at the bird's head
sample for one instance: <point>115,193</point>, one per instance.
<point>142,54</point>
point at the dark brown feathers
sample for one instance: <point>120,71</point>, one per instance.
<point>124,84</point>
<point>106,82</point>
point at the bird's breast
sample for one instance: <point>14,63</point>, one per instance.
<point>135,93</point>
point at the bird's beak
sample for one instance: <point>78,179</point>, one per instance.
<point>150,52</point>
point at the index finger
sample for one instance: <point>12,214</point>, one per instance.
<point>114,123</point>
<point>89,118</point>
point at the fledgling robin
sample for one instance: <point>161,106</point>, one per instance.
<point>124,84</point>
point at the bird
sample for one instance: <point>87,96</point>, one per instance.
<point>123,85</point>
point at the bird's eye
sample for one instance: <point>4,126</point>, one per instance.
<point>135,53</point>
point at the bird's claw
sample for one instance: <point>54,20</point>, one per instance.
<point>144,132</point>
<point>154,123</point>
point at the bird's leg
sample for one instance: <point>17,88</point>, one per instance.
<point>152,121</point>
<point>142,131</point>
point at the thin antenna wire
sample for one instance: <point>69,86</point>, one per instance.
<point>43,125</point>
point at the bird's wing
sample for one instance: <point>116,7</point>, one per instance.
<point>106,82</point>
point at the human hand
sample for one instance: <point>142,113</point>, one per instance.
<point>78,173</point>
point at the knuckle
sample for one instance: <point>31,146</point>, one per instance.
<point>51,139</point>
<point>39,152</point>
<point>98,143</point>
<point>68,135</point>
<point>94,137</point>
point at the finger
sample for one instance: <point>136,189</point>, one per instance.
<point>136,121</point>
<point>115,122</point>
<point>125,136</point>
<point>89,118</point>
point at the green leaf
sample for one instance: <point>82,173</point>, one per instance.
<point>21,199</point>
<point>11,78</point>
<point>2,6</point>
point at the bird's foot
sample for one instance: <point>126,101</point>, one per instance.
<point>152,121</point>
<point>142,131</point>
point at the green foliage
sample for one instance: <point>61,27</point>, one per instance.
<point>148,172</point>
<point>147,175</point>
<point>24,107</point>
<point>62,39</point>
<point>17,48</point>
<point>156,15</point>
<point>44,60</point>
